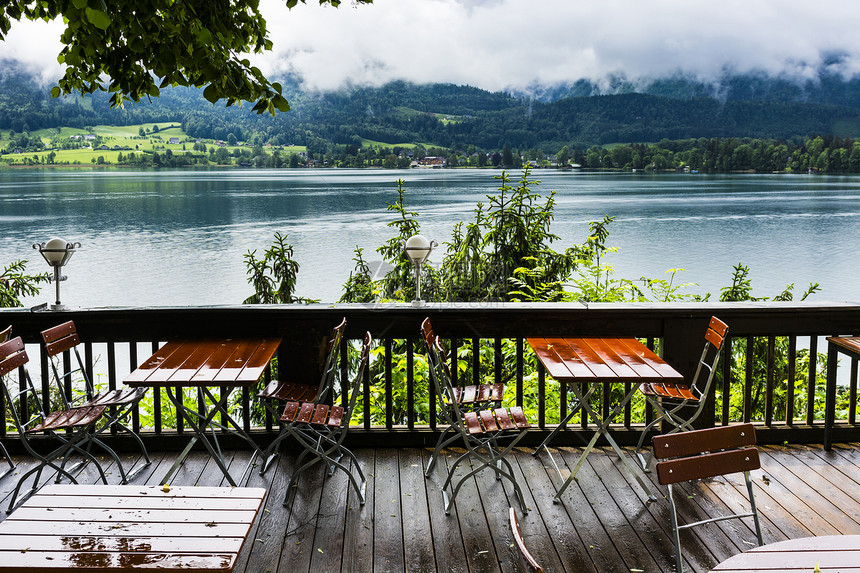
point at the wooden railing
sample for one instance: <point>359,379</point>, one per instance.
<point>769,342</point>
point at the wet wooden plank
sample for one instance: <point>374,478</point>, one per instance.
<point>448,544</point>
<point>654,532</point>
<point>417,534</point>
<point>574,526</point>
<point>474,529</point>
<point>140,375</point>
<point>358,536</point>
<point>580,534</point>
<point>388,544</point>
<point>622,536</point>
<point>267,538</point>
<point>105,539</point>
<point>328,539</point>
<point>304,502</point>
<point>837,514</point>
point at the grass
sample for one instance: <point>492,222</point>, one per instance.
<point>123,136</point>
<point>383,145</point>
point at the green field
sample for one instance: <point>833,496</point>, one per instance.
<point>127,136</point>
<point>382,144</point>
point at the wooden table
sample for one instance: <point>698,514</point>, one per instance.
<point>125,527</point>
<point>579,362</point>
<point>849,345</point>
<point>205,364</point>
<point>833,553</point>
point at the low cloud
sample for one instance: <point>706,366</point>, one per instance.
<point>511,44</point>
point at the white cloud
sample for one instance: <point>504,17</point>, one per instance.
<point>503,44</point>
<point>499,44</point>
<point>35,45</point>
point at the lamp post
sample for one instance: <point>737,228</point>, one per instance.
<point>57,253</point>
<point>418,248</point>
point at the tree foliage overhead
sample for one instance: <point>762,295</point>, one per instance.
<point>142,46</point>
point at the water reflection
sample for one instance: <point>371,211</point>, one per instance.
<point>178,237</point>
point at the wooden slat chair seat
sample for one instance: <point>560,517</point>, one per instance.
<point>493,421</point>
<point>74,418</point>
<point>678,404</point>
<point>5,334</point>
<point>479,394</point>
<point>473,397</point>
<point>320,429</point>
<point>283,391</point>
<point>74,429</point>
<point>701,454</point>
<point>277,393</point>
<point>119,402</point>
<point>666,390</point>
<point>312,414</point>
<point>481,431</point>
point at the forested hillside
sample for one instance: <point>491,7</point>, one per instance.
<point>463,117</point>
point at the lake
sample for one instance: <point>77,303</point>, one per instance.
<point>178,237</point>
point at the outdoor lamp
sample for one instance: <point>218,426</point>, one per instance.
<point>418,248</point>
<point>57,253</point>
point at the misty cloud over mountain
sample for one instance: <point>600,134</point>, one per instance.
<point>542,47</point>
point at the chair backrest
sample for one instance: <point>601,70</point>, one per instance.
<point>59,339</point>
<point>355,389</point>
<point>706,453</point>
<point>707,367</point>
<point>26,410</point>
<point>331,362</point>
<point>440,373</point>
<point>5,333</point>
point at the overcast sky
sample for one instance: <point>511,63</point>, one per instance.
<point>511,44</point>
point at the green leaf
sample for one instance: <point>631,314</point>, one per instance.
<point>211,93</point>
<point>98,18</point>
<point>55,91</point>
<point>204,36</point>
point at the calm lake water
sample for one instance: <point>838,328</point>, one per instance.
<point>178,237</point>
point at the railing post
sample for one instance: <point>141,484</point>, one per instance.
<point>683,339</point>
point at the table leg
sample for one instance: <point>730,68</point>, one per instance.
<point>199,429</point>
<point>574,410</point>
<point>603,430</point>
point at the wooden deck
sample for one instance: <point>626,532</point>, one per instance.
<point>603,524</point>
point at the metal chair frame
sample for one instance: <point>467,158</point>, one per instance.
<point>119,403</point>
<point>480,431</point>
<point>73,428</point>
<point>4,336</point>
<point>278,392</point>
<point>700,454</point>
<point>475,398</point>
<point>670,400</point>
<point>320,430</point>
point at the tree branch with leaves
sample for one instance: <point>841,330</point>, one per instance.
<point>142,46</point>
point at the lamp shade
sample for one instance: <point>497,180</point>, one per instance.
<point>55,250</point>
<point>418,248</point>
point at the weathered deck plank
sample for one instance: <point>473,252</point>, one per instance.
<point>602,524</point>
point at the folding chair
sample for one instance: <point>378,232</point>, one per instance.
<point>678,404</point>
<point>320,430</point>
<point>471,397</point>
<point>119,403</point>
<point>277,392</point>
<point>73,429</point>
<point>700,454</point>
<point>4,336</point>
<point>481,431</point>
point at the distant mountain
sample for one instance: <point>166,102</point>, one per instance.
<point>825,88</point>
<point>580,114</point>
